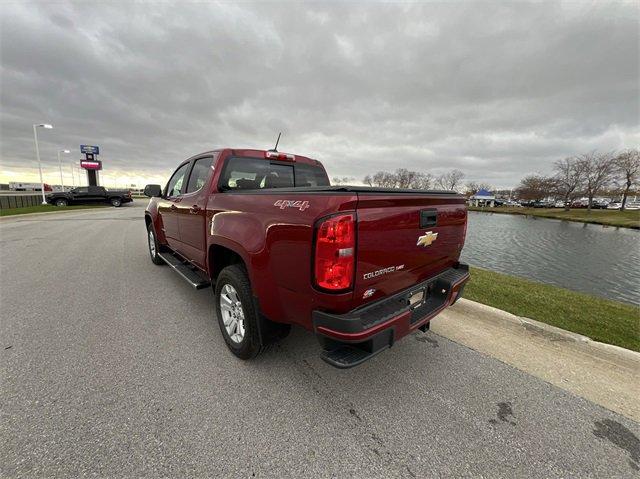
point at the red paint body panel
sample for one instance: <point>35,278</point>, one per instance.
<point>276,242</point>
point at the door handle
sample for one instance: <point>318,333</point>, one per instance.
<point>194,210</point>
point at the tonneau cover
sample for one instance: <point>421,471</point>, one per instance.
<point>348,189</point>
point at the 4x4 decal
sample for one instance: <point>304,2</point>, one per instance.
<point>301,205</point>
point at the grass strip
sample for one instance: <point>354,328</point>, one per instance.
<point>601,319</point>
<point>624,219</point>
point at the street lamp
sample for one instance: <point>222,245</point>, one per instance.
<point>35,137</point>
<point>60,165</point>
<point>73,178</point>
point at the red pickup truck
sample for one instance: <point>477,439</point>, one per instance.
<point>361,267</point>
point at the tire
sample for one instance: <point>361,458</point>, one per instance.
<point>61,202</point>
<point>233,287</point>
<point>154,247</point>
<point>117,202</point>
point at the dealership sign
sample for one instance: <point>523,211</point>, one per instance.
<point>93,150</point>
<point>91,164</point>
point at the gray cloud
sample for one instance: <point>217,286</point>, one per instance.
<point>496,89</point>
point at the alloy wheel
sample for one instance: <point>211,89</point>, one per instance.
<point>232,313</point>
<point>152,244</point>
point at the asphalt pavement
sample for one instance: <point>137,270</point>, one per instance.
<point>112,366</point>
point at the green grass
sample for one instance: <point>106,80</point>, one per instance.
<point>600,319</point>
<point>45,209</point>
<point>625,219</point>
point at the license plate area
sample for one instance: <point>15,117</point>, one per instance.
<point>416,298</point>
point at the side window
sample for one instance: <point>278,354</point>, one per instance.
<point>199,174</point>
<point>175,187</point>
<point>82,189</point>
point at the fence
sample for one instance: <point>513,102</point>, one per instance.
<point>19,201</point>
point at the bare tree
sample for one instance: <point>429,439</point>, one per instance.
<point>422,181</point>
<point>377,179</point>
<point>535,187</point>
<point>627,166</point>
<point>450,180</point>
<point>381,179</point>
<point>569,179</point>
<point>389,180</point>
<point>405,177</point>
<point>598,169</point>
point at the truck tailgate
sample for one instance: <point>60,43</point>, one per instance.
<point>403,239</point>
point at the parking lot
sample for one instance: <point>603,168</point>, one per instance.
<point>112,366</point>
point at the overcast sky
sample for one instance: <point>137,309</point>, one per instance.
<point>496,89</point>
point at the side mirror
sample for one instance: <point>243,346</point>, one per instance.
<point>153,191</point>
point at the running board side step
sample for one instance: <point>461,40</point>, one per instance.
<point>185,269</point>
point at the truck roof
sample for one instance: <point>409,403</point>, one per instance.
<point>250,153</point>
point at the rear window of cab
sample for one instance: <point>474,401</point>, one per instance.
<point>253,174</point>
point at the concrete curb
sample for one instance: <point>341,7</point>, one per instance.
<point>552,332</point>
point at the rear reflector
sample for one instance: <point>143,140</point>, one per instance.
<point>334,255</point>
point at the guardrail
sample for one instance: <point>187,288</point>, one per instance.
<point>19,201</point>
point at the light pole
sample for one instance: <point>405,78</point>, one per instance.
<point>73,178</point>
<point>60,165</point>
<point>35,137</point>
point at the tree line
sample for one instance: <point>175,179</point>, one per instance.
<point>404,178</point>
<point>588,175</point>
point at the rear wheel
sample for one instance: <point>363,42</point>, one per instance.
<point>61,202</point>
<point>236,312</point>
<point>116,202</point>
<point>154,247</point>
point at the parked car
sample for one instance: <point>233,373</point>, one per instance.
<point>542,204</point>
<point>632,206</point>
<point>89,195</point>
<point>559,204</point>
<point>614,206</point>
<point>579,204</point>
<point>599,204</point>
<point>360,267</point>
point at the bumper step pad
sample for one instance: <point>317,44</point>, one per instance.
<point>346,356</point>
<point>188,272</point>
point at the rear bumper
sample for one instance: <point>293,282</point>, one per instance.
<point>352,338</point>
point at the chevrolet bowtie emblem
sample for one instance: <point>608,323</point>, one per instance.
<point>427,238</point>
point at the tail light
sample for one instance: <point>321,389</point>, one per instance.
<point>335,252</point>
